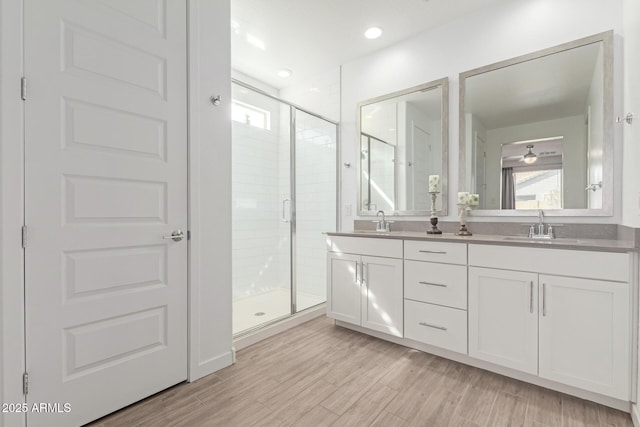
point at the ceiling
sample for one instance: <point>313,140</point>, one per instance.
<point>312,37</point>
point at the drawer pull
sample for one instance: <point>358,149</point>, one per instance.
<point>442,285</point>
<point>531,297</point>
<point>442,328</point>
<point>433,252</point>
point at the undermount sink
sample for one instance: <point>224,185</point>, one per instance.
<point>529,239</point>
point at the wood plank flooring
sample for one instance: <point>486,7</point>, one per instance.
<point>318,374</point>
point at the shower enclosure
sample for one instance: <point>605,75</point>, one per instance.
<point>284,197</point>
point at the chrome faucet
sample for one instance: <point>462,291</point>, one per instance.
<point>540,233</point>
<point>383,224</point>
<point>540,222</point>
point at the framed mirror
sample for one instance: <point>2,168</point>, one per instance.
<point>536,132</point>
<point>404,139</point>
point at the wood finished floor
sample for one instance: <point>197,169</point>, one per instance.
<point>319,374</point>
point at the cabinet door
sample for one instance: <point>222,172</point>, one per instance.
<point>503,318</point>
<point>382,298</point>
<point>584,334</point>
<point>343,287</point>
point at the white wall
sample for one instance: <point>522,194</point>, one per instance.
<point>507,30</point>
<point>210,335</point>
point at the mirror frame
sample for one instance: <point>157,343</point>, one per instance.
<point>608,132</point>
<point>444,178</point>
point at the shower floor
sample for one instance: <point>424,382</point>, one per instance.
<point>255,310</point>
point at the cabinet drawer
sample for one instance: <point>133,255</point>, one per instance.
<point>435,325</point>
<point>452,253</point>
<point>442,284</point>
<point>561,262</point>
<point>388,248</point>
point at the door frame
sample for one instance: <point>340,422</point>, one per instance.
<point>209,161</point>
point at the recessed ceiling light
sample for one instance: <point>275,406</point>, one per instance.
<point>373,33</point>
<point>285,72</point>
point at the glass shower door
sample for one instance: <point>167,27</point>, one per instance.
<point>315,208</point>
<point>261,208</point>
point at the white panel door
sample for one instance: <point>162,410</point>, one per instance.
<point>382,302</point>
<point>343,290</point>
<point>106,159</point>
<point>503,318</point>
<point>584,334</point>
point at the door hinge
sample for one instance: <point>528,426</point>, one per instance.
<point>188,234</point>
<point>23,88</point>
<point>25,383</point>
<point>24,236</point>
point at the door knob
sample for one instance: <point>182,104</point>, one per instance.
<point>176,236</point>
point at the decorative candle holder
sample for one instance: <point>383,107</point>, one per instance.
<point>434,216</point>
<point>463,220</point>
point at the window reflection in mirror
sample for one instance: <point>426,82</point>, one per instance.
<point>531,174</point>
<point>558,100</point>
<point>403,141</point>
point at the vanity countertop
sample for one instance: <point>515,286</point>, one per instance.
<point>559,243</point>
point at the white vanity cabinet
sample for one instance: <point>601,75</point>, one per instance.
<point>435,292</point>
<point>584,334</point>
<point>365,283</point>
<point>560,314</point>
<point>503,318</point>
<point>344,293</point>
<point>559,318</point>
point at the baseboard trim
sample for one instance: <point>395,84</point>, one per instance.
<point>268,331</point>
<point>635,415</point>
<point>212,365</point>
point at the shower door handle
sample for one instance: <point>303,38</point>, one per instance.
<point>284,203</point>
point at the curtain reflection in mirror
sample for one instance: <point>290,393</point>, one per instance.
<point>508,189</point>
